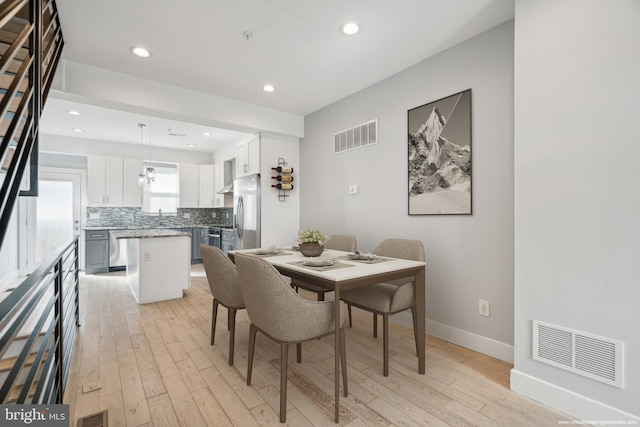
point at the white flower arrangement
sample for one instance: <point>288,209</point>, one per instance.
<point>311,235</point>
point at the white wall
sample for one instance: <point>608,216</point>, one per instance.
<point>468,257</point>
<point>577,228</point>
<point>280,220</point>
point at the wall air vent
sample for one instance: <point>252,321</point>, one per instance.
<point>585,354</point>
<point>362,135</point>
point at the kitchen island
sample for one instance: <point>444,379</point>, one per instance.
<point>158,263</point>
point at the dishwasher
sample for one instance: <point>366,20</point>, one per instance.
<point>117,253</point>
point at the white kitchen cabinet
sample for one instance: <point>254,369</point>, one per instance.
<point>248,157</point>
<point>189,186</point>
<point>105,181</point>
<point>132,190</point>
<point>206,198</point>
<point>218,184</point>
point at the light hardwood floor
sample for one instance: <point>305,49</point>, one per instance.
<point>155,367</point>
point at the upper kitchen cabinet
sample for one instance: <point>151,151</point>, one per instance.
<point>206,195</point>
<point>189,186</point>
<point>248,157</point>
<point>132,190</point>
<point>105,181</point>
<point>196,186</point>
<point>218,185</point>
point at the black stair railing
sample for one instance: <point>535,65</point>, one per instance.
<point>31,44</point>
<point>38,325</point>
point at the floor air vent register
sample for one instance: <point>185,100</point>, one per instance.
<point>582,353</point>
<point>98,419</point>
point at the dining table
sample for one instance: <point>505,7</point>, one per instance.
<point>346,273</point>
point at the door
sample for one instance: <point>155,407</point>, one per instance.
<point>58,210</point>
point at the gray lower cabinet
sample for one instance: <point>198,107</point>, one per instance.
<point>96,258</point>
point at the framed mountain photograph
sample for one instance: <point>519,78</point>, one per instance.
<point>439,144</point>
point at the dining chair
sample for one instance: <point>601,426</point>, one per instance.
<point>339,242</point>
<point>223,282</point>
<point>389,297</point>
<point>277,311</point>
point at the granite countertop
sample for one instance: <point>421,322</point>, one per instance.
<point>147,233</point>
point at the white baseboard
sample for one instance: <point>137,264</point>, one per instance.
<point>573,404</point>
<point>484,345</point>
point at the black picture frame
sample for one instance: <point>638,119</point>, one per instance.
<point>439,156</point>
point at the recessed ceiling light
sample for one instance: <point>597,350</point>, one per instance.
<point>207,133</point>
<point>74,112</point>
<point>349,29</point>
<point>191,145</point>
<point>268,88</point>
<point>140,51</point>
<point>77,130</point>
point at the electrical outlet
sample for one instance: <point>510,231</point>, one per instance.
<point>187,215</point>
<point>213,214</point>
<point>483,308</point>
<point>147,256</point>
<point>227,215</point>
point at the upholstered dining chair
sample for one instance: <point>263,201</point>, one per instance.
<point>223,282</point>
<point>388,298</point>
<point>277,311</point>
<point>339,242</point>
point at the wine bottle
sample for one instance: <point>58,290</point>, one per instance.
<point>283,186</point>
<point>284,178</point>
<point>285,169</point>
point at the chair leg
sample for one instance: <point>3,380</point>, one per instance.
<point>214,316</point>
<point>349,310</point>
<point>252,346</point>
<point>228,319</point>
<point>414,315</point>
<point>320,296</point>
<point>299,352</point>
<point>385,344</point>
<point>284,356</point>
<point>343,362</point>
<point>375,325</point>
<point>232,333</point>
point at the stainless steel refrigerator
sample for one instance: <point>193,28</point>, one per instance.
<point>246,212</point>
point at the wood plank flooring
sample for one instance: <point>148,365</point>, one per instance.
<point>156,368</point>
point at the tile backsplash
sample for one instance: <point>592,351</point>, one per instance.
<point>132,217</point>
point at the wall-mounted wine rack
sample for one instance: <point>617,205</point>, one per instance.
<point>284,178</point>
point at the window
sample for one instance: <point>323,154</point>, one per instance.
<point>163,192</point>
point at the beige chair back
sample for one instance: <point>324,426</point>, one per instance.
<point>222,277</point>
<point>275,308</point>
<point>342,242</point>
<point>401,248</point>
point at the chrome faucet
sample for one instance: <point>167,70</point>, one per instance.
<point>160,217</point>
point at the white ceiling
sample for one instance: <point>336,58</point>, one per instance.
<point>199,44</point>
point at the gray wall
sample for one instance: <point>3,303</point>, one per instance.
<point>468,257</point>
<point>577,233</point>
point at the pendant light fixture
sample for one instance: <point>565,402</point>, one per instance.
<point>141,177</point>
<point>149,174</point>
